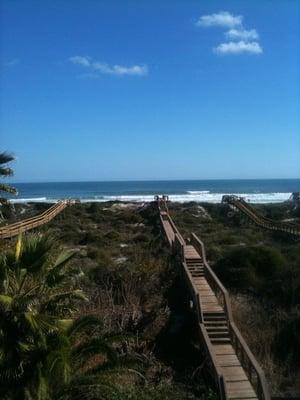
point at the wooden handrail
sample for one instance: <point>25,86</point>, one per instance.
<point>165,216</point>
<point>195,295</point>
<point>40,216</point>
<point>33,222</point>
<point>211,276</point>
<point>218,376</point>
<point>260,220</point>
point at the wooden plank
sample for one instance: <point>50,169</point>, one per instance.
<point>223,349</point>
<point>211,308</point>
<point>242,385</point>
<point>233,371</point>
<point>208,300</point>
<point>241,394</point>
<point>228,360</point>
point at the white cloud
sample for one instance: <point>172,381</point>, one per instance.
<point>238,48</point>
<point>85,61</point>
<point>242,34</point>
<point>103,68</point>
<point>12,63</point>
<point>223,18</point>
<point>240,39</point>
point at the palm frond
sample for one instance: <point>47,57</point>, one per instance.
<point>35,252</point>
<point>120,365</point>
<point>56,273</point>
<point>6,171</point>
<point>40,323</point>
<point>56,299</point>
<point>92,347</point>
<point>5,300</point>
<point>63,258</point>
<point>82,324</point>
<point>7,189</point>
<point>6,157</point>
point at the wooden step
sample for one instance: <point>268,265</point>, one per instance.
<point>211,315</point>
<point>218,335</point>
<point>219,328</point>
<point>223,349</point>
<point>211,323</point>
<point>198,269</point>
<point>220,341</point>
<point>233,374</point>
<point>193,262</point>
<point>228,360</point>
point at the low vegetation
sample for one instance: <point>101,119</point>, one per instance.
<point>104,320</point>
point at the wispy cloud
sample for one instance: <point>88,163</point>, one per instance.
<point>241,40</point>
<point>12,62</point>
<point>103,68</point>
<point>80,60</point>
<point>238,48</point>
<point>242,34</point>
<point>223,19</point>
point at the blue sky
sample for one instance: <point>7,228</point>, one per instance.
<point>100,90</point>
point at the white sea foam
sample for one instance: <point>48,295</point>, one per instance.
<point>203,196</point>
<point>197,196</point>
<point>33,199</point>
<point>198,191</point>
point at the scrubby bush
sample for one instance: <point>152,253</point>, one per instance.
<point>112,235</point>
<point>287,341</point>
<point>141,238</point>
<point>130,217</point>
<point>255,267</point>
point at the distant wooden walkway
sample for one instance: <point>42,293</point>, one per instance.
<point>258,219</point>
<point>33,222</point>
<point>236,373</point>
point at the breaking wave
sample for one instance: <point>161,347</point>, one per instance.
<point>204,196</point>
<point>32,199</point>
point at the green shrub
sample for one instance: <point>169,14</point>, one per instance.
<point>141,238</point>
<point>256,267</point>
<point>112,235</point>
<point>287,342</point>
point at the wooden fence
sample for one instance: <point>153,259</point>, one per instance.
<point>258,219</point>
<point>33,222</point>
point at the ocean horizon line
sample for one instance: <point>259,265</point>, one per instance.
<point>155,180</point>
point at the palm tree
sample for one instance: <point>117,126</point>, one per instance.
<point>44,352</point>
<point>35,291</point>
<point>89,362</point>
<point>6,171</point>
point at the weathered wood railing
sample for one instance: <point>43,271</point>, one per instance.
<point>212,362</point>
<point>247,360</point>
<point>258,219</point>
<point>33,222</point>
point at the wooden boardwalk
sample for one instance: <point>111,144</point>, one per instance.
<point>30,223</point>
<point>259,220</point>
<point>237,374</point>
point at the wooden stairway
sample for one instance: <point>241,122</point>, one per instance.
<point>236,381</point>
<point>236,373</point>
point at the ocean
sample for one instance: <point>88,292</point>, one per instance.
<point>255,191</point>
